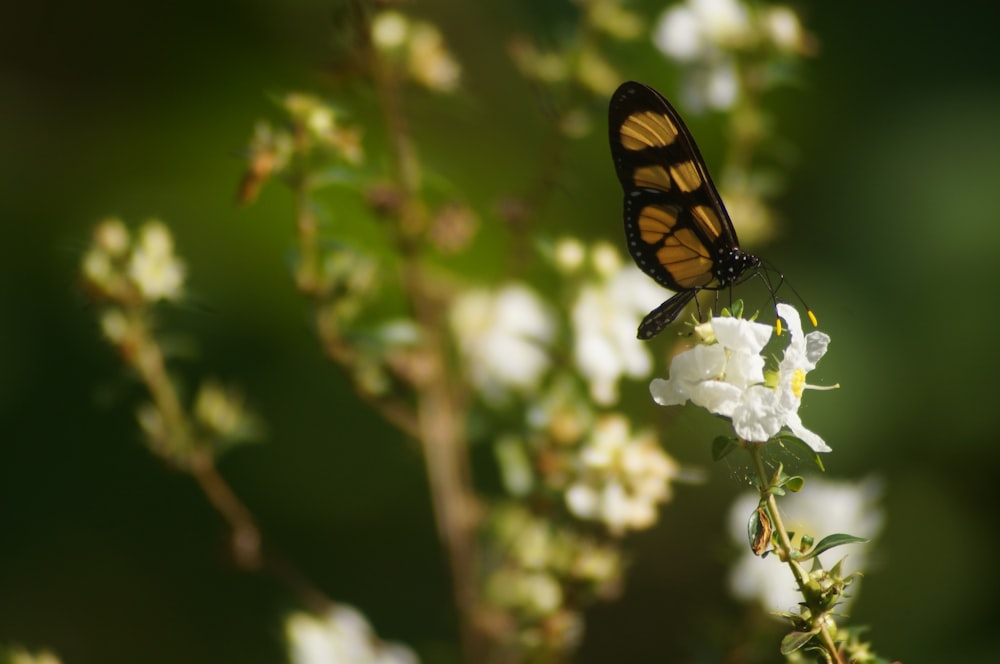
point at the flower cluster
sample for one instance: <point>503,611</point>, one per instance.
<point>546,571</point>
<point>221,413</point>
<point>613,298</point>
<point>503,337</point>
<point>710,35</point>
<point>311,125</point>
<point>620,478</point>
<point>342,635</point>
<point>131,275</point>
<point>421,48</point>
<point>141,271</point>
<point>727,376</point>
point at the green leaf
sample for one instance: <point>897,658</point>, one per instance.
<point>794,641</point>
<point>737,308</point>
<point>721,446</point>
<point>831,541</point>
<point>795,483</point>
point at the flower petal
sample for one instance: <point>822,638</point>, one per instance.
<point>794,424</point>
<point>816,345</point>
<point>792,319</point>
<point>758,416</point>
<point>742,335</point>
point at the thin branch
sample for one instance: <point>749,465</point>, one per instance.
<point>819,618</point>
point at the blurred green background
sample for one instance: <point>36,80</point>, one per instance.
<point>140,110</point>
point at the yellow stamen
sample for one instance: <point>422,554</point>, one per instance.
<point>812,317</point>
<point>798,383</point>
<point>777,326</point>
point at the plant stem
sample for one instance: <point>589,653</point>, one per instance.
<point>440,420</point>
<point>144,354</point>
<point>819,619</point>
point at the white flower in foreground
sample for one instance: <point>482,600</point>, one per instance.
<point>728,378</point>
<point>154,269</point>
<point>605,316</point>
<point>622,477</point>
<point>764,410</point>
<point>503,338</point>
<point>342,635</point>
<point>824,507</point>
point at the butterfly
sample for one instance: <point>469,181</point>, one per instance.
<point>676,227</point>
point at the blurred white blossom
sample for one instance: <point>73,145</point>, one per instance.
<point>824,507</point>
<point>569,254</point>
<point>22,656</point>
<point>705,33</point>
<point>115,325</point>
<point>621,477</point>
<point>727,377</point>
<point>710,35</point>
<point>541,559</point>
<point>421,46</point>
<point>222,413</point>
<point>389,30</point>
<point>155,270</point>
<point>700,29</point>
<point>784,29</point>
<point>429,61</point>
<point>343,636</point>
<point>503,338</point>
<point>605,316</point>
<point>112,236</point>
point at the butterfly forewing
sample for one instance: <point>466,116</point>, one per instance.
<point>676,226</point>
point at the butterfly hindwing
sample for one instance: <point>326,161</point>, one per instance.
<point>676,227</point>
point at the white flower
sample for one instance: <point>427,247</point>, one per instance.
<point>503,338</point>
<point>429,61</point>
<point>824,507</point>
<point>708,37</point>
<point>706,34</point>
<point>701,27</point>
<point>569,254</point>
<point>715,376</point>
<point>717,86</point>
<point>728,378</point>
<point>389,30</point>
<point>112,237</point>
<point>621,478</point>
<point>784,29</point>
<point>605,316</point>
<point>342,635</point>
<point>154,269</point>
<point>764,411</point>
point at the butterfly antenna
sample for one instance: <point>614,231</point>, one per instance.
<point>766,278</point>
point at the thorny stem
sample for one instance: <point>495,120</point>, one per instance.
<point>818,618</point>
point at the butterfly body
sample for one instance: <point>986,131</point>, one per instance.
<point>676,227</point>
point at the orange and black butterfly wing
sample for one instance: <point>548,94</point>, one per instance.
<point>676,227</point>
